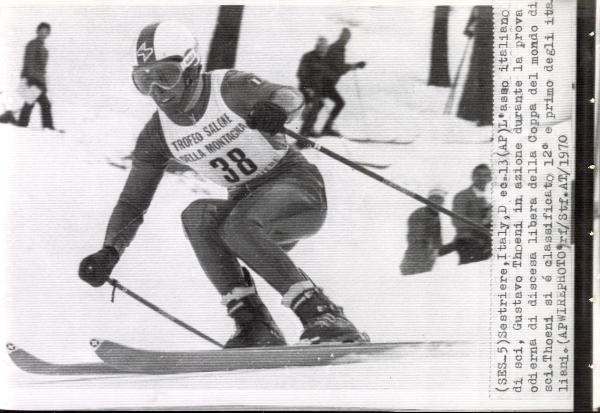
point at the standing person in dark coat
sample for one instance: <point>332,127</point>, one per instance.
<point>424,237</point>
<point>472,203</point>
<point>336,60</point>
<point>477,100</point>
<point>310,73</point>
<point>34,74</point>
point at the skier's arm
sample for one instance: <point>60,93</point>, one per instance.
<point>128,214</point>
<point>339,65</point>
<point>149,162</point>
<point>242,91</point>
<point>290,100</point>
<point>326,71</point>
<point>124,222</point>
<point>336,60</point>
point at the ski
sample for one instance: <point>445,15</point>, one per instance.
<point>163,362</point>
<point>468,141</point>
<point>374,165</point>
<point>117,165</point>
<point>31,364</point>
<point>372,141</point>
<point>366,140</point>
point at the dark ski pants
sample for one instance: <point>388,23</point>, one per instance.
<point>46,109</point>
<point>259,229</point>
<point>314,104</point>
<point>469,249</point>
<point>332,93</point>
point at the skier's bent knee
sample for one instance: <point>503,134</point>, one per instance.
<point>235,229</point>
<point>199,214</point>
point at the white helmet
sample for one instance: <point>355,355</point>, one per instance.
<point>165,39</point>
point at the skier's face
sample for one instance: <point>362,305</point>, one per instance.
<point>174,99</point>
<point>169,100</point>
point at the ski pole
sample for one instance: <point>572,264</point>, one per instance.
<point>117,284</point>
<point>480,228</point>
<point>450,100</point>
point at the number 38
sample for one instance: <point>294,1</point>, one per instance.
<point>243,164</point>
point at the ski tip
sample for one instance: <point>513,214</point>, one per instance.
<point>11,347</point>
<point>95,343</point>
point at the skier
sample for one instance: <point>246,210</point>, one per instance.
<point>336,60</point>
<point>227,124</point>
<point>310,74</point>
<point>34,74</point>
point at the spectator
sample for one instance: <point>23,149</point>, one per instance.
<point>34,74</point>
<point>336,60</point>
<point>310,73</point>
<point>472,203</point>
<point>424,237</point>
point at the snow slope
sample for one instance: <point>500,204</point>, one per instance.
<point>60,203</point>
<point>58,209</point>
<point>61,190</point>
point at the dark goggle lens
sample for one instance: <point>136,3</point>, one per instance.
<point>162,74</point>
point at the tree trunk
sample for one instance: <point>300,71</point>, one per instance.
<point>223,47</point>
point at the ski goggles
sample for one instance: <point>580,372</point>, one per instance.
<point>165,74</point>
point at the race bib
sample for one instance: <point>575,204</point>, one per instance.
<point>220,146</point>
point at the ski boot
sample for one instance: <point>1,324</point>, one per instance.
<point>254,324</point>
<point>309,133</point>
<point>323,321</point>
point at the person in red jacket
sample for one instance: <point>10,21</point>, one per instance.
<point>336,61</point>
<point>34,74</point>
<point>227,125</point>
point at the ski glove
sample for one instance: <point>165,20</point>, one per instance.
<point>267,117</point>
<point>96,268</point>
